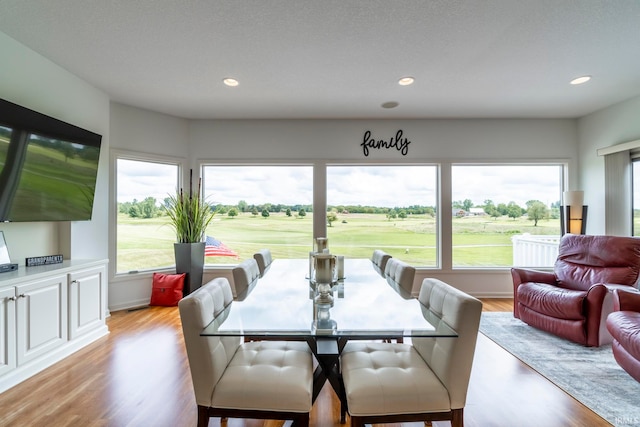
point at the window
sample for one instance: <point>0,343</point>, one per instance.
<point>496,206</point>
<point>392,208</point>
<point>144,239</point>
<point>260,206</point>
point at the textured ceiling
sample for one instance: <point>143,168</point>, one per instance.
<point>342,59</point>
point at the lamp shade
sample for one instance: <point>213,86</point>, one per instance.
<point>573,198</point>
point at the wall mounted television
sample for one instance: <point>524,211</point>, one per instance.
<point>48,168</point>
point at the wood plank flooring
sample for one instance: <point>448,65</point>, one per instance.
<point>139,376</point>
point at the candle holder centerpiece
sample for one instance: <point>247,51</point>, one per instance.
<point>324,275</point>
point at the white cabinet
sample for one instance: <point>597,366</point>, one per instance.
<point>41,312</point>
<point>47,313</point>
<point>7,330</point>
<point>86,301</point>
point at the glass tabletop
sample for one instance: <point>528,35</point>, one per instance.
<point>364,305</point>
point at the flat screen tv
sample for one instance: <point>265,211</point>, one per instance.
<point>48,168</point>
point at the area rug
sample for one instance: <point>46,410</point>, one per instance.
<point>590,375</point>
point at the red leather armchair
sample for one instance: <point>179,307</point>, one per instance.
<point>624,326</point>
<point>574,300</point>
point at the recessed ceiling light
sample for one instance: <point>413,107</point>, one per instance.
<point>406,81</point>
<point>580,80</point>
<point>230,82</point>
<point>390,104</point>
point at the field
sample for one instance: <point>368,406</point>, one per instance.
<point>477,241</point>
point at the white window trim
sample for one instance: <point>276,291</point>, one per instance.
<point>114,155</point>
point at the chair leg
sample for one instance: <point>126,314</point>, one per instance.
<point>301,421</point>
<point>356,422</point>
<point>203,416</point>
<point>457,417</point>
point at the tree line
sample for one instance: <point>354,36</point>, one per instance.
<point>534,209</point>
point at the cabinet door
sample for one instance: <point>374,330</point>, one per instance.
<point>41,316</point>
<point>86,301</point>
<point>7,329</point>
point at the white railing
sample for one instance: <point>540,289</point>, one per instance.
<point>534,251</point>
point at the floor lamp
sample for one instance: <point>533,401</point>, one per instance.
<point>573,213</point>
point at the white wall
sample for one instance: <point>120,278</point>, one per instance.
<point>135,130</point>
<point>30,80</point>
<point>614,125</point>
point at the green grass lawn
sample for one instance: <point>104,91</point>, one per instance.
<point>477,241</point>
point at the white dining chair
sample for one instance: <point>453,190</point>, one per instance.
<point>400,276</point>
<point>264,259</point>
<point>245,276</point>
<point>231,379</point>
<point>379,259</point>
<point>423,381</point>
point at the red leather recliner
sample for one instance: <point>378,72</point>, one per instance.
<point>574,300</point>
<point>624,326</point>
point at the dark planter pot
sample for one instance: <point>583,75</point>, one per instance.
<point>190,260</point>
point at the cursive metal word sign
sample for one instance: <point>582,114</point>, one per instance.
<point>398,142</point>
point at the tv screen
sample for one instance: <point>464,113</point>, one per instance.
<point>48,167</point>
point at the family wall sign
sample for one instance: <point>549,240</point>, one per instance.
<point>398,142</point>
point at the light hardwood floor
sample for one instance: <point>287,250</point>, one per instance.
<point>139,376</point>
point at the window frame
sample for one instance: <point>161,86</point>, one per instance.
<point>564,180</point>
<point>119,154</point>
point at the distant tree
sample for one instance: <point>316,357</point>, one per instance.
<point>391,215</point>
<point>265,213</point>
<point>490,209</point>
<point>242,206</point>
<point>233,212</point>
<point>467,205</point>
<point>134,211</point>
<point>288,212</point>
<point>148,208</point>
<point>536,210</point>
<point>331,217</point>
<point>302,213</point>
<point>254,211</point>
<point>402,214</point>
<point>513,210</point>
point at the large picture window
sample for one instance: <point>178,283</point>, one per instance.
<point>144,238</point>
<point>497,205</point>
<point>392,208</point>
<point>259,206</point>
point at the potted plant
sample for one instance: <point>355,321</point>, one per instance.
<point>189,216</point>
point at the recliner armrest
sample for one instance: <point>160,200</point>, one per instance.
<point>523,275</point>
<point>626,301</point>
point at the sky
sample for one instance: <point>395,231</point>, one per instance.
<point>383,186</point>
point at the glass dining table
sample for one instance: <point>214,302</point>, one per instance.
<point>285,305</point>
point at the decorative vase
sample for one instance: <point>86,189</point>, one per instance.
<point>190,260</point>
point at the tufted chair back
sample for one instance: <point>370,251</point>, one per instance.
<point>450,358</point>
<point>400,276</point>
<point>245,275</point>
<point>584,260</point>
<point>208,356</point>
<point>264,259</point>
<point>379,259</point>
